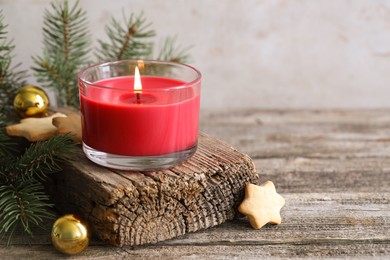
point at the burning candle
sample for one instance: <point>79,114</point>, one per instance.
<point>139,115</point>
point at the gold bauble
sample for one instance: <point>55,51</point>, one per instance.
<point>31,101</point>
<point>70,235</point>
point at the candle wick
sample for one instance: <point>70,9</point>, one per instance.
<point>138,96</point>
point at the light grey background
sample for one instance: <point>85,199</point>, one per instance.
<point>254,53</point>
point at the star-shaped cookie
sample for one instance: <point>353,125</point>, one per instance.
<point>262,204</point>
<point>35,129</point>
<point>70,124</point>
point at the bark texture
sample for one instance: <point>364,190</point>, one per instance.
<point>134,208</point>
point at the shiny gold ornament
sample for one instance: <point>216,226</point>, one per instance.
<point>31,101</point>
<point>70,235</point>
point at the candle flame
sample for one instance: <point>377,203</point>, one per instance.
<point>137,81</point>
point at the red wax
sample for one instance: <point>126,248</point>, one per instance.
<point>163,121</point>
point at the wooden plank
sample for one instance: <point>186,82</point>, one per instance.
<point>331,166</point>
<point>314,175</point>
<point>313,225</point>
<point>339,249</point>
<point>272,134</point>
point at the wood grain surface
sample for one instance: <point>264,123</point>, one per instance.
<point>332,167</point>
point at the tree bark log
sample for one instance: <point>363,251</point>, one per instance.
<point>135,208</point>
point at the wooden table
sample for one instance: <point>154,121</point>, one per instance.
<point>331,166</point>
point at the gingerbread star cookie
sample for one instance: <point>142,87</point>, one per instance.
<point>70,124</point>
<point>262,204</point>
<point>34,129</point>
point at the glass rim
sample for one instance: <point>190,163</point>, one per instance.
<point>185,85</point>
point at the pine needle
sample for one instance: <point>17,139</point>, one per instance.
<point>25,204</point>
<point>43,158</point>
<point>22,198</point>
<point>10,79</point>
<point>129,39</point>
<point>170,51</point>
<point>66,47</point>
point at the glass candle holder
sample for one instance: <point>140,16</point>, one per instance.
<point>140,124</point>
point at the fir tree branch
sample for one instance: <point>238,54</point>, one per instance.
<point>127,40</point>
<point>10,79</point>
<point>22,198</point>
<point>171,52</point>
<point>7,145</point>
<point>23,203</point>
<point>66,48</point>
<point>42,158</point>
<point>50,69</point>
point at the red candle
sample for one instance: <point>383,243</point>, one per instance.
<point>135,122</point>
<point>160,122</point>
